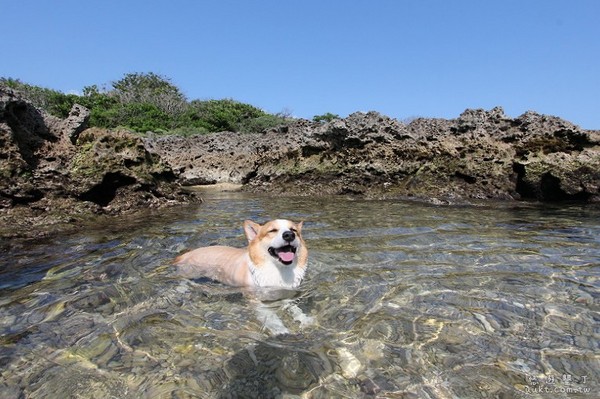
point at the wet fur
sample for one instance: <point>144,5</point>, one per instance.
<point>253,266</point>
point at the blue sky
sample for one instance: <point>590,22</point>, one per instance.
<point>431,58</point>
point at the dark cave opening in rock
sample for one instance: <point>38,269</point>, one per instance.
<point>104,192</point>
<point>551,190</point>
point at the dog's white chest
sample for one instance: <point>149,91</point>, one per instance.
<point>280,277</point>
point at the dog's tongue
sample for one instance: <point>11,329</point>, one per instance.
<point>286,256</point>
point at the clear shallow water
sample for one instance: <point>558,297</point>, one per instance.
<point>406,300</point>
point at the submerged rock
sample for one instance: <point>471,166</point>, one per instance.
<point>56,170</point>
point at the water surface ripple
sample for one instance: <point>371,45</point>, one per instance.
<point>401,300</point>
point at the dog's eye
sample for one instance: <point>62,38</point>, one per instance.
<point>273,231</point>
<point>294,230</point>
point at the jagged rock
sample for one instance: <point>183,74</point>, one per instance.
<point>481,154</point>
<point>53,169</point>
<point>557,176</point>
<point>76,122</point>
<point>208,159</point>
<point>114,170</point>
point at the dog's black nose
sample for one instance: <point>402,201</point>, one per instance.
<point>288,236</point>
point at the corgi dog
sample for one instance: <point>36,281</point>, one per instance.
<point>276,257</point>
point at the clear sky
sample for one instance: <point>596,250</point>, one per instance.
<point>431,58</point>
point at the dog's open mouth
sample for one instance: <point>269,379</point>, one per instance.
<point>285,254</point>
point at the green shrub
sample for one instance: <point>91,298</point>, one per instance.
<point>223,115</point>
<point>149,102</point>
<point>328,117</point>
<point>150,88</point>
<point>268,121</point>
<point>104,107</point>
<point>52,101</point>
<point>143,117</point>
<point>187,131</point>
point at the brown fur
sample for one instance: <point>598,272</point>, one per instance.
<point>233,266</point>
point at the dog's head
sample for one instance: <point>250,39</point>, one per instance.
<point>278,240</point>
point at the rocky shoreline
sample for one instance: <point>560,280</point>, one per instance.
<point>58,171</point>
<point>480,155</point>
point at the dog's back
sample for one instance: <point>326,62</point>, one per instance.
<point>226,264</point>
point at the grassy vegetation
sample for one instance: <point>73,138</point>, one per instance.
<point>145,102</point>
<point>328,117</point>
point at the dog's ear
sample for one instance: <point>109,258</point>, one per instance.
<point>299,226</point>
<point>251,229</point>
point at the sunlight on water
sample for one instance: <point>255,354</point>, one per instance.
<point>401,300</point>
